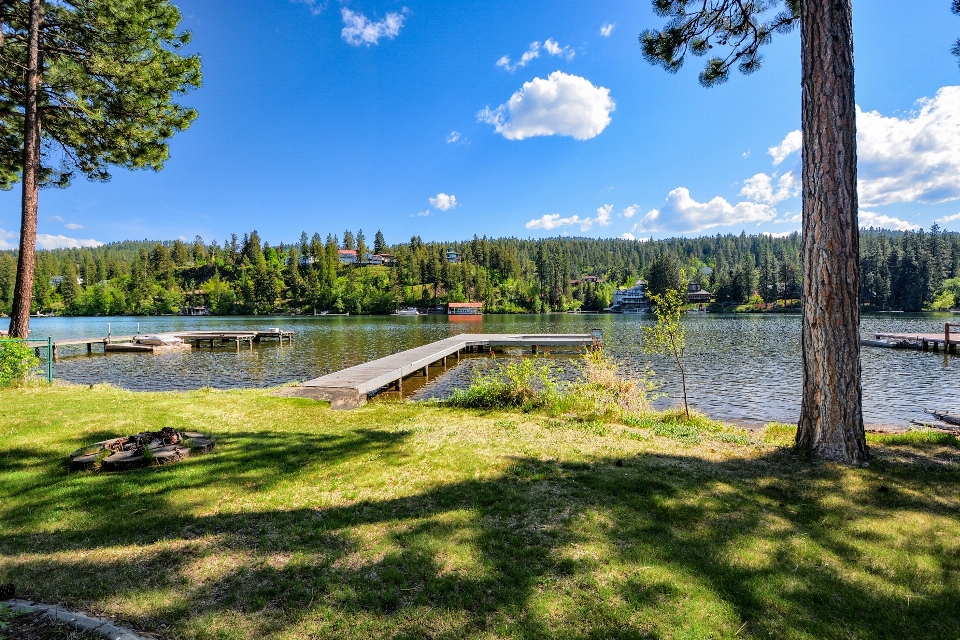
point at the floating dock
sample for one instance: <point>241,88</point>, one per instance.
<point>349,388</point>
<point>128,344</point>
<point>948,340</point>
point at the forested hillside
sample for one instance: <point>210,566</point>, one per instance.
<point>900,270</point>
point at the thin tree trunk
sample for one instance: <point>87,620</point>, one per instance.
<point>23,290</point>
<point>831,414</point>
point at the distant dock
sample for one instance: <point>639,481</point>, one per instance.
<point>948,340</point>
<point>130,344</point>
<point>348,389</point>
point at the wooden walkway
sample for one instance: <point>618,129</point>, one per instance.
<point>348,389</point>
<point>949,339</point>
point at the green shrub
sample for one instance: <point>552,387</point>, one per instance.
<point>16,362</point>
<point>523,384</point>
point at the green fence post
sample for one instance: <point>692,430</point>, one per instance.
<point>50,360</point>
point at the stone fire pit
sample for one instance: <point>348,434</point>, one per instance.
<point>141,450</point>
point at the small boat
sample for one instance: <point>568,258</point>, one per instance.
<point>409,311</point>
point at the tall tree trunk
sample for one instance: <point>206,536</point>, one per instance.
<point>831,415</point>
<point>23,290</point>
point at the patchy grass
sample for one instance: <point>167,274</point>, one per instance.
<point>402,520</point>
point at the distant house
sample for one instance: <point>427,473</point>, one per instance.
<point>585,279</point>
<point>385,258</point>
<point>464,308</point>
<point>631,300</point>
<point>695,293</point>
<point>56,280</point>
<point>453,257</point>
<point>347,256</point>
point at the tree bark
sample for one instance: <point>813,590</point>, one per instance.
<point>831,414</point>
<point>23,289</point>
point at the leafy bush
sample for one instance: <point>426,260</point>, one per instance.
<point>16,361</point>
<point>533,383</point>
<point>524,384</point>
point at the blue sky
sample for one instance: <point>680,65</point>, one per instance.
<point>396,115</point>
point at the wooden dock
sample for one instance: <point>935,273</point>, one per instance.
<point>128,344</point>
<point>349,388</point>
<point>948,340</point>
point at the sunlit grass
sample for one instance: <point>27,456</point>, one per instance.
<point>403,520</point>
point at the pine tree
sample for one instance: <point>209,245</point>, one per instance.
<point>831,412</point>
<point>83,86</point>
<point>379,244</point>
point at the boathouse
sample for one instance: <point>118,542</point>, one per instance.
<point>465,308</point>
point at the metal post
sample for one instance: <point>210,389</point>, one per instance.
<point>50,360</point>
<point>108,333</point>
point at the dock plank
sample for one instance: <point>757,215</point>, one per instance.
<point>349,388</point>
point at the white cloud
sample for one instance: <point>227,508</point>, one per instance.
<point>682,213</point>
<point>420,214</point>
<point>554,49</point>
<point>631,211</point>
<point>911,159</point>
<point>358,29</point>
<point>73,226</point>
<point>47,241</point>
<point>316,8</point>
<point>791,143</point>
<point>746,154</point>
<point>553,220</point>
<point>528,55</point>
<point>946,219</point>
<point>760,188</point>
<point>5,236</point>
<point>603,215</point>
<point>443,202</point>
<point>607,29</point>
<point>877,221</point>
<point>796,217</point>
<point>778,234</point>
<point>551,46</point>
<point>456,137</point>
<point>627,236</point>
<point>56,218</point>
<point>562,104</point>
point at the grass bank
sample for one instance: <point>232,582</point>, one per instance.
<point>397,520</point>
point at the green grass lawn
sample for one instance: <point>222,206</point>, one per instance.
<point>398,520</point>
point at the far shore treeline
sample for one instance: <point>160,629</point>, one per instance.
<point>907,271</point>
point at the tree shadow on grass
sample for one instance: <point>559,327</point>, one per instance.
<point>663,546</point>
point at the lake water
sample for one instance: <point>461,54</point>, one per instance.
<point>740,367</point>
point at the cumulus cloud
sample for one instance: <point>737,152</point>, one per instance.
<point>778,234</point>
<point>443,202</point>
<point>945,219</point>
<point>420,214</point>
<point>682,213</point>
<point>554,49</point>
<point>5,240</point>
<point>911,159</point>
<point>603,215</point>
<point>73,226</point>
<point>789,217</point>
<point>760,188</point>
<point>869,219</point>
<point>606,30</point>
<point>456,137</point>
<point>790,144</point>
<point>358,29</point>
<point>627,236</point>
<point>631,211</point>
<point>316,8</point>
<point>553,220</point>
<point>47,241</point>
<point>561,104</point>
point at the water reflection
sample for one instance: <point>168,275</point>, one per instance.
<point>740,367</point>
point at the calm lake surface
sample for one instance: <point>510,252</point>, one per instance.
<point>740,367</point>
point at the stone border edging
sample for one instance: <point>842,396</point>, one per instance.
<point>98,625</point>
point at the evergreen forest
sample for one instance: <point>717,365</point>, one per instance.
<point>909,271</point>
